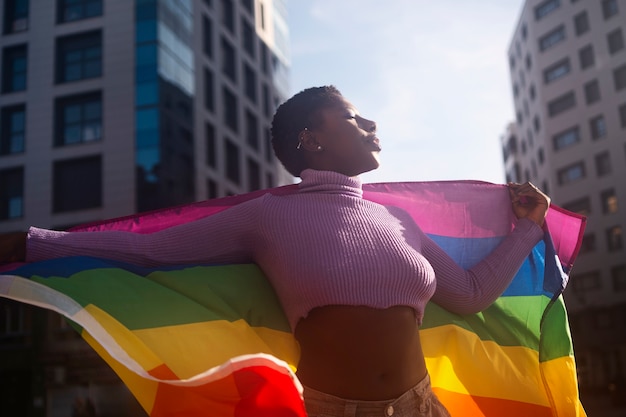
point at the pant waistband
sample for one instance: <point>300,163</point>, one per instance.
<point>416,398</point>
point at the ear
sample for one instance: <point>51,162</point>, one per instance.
<point>308,141</point>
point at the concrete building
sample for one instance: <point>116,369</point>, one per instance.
<point>568,73</point>
<point>111,107</point>
<point>114,107</point>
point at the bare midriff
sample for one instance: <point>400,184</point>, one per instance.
<point>360,353</point>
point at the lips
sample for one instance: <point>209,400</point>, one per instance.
<point>374,143</point>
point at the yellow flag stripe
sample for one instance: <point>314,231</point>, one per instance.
<point>513,370</point>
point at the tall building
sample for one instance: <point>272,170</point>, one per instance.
<point>114,107</point>
<point>568,73</point>
<point>111,107</point>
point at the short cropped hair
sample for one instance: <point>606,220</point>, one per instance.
<point>299,112</point>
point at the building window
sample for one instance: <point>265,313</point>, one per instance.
<point>581,206</point>
<point>262,15</point>
<point>609,201</point>
<point>581,23</point>
<point>566,138</point>
<point>619,76</point>
<point>12,130</point>
<point>211,187</point>
<point>70,10</point>
<point>588,244</point>
<point>622,115</point>
<point>603,164</point>
<point>267,100</point>
<point>232,162</point>
<point>77,184</point>
<point>209,92</point>
<point>552,38</point>
<point>618,275</point>
<point>264,51</point>
<point>525,111</point>
<point>540,156</point>
<point>615,41</point>
<point>11,193</point>
<point>614,238</point>
<point>228,15</point>
<point>14,66</point>
<point>586,57</point>
<point>269,153</point>
<point>510,147</point>
<point>229,60</point>
<point>597,127</point>
<point>248,37</point>
<point>592,92</point>
<point>248,5</point>
<point>586,282</point>
<point>609,8</point>
<point>252,130</point>
<point>231,117</point>
<point>561,104</point>
<point>545,8</point>
<point>536,124</point>
<point>571,173</point>
<point>556,71</point>
<point>211,145</point>
<point>79,57</point>
<point>78,119</point>
<point>12,322</point>
<point>250,83</point>
<point>254,175</point>
<point>207,36</point>
<point>529,62</point>
<point>15,16</point>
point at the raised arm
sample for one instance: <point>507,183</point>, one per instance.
<point>224,237</point>
<point>469,291</point>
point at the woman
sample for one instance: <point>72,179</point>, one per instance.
<point>353,276</point>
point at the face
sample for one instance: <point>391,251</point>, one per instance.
<point>348,141</point>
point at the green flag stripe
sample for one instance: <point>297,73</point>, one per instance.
<point>195,294</point>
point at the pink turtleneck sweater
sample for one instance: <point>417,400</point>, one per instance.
<point>324,245</point>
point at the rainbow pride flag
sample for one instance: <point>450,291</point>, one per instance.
<point>212,340</point>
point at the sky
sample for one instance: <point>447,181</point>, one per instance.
<point>433,74</point>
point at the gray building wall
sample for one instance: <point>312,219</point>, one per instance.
<point>117,88</point>
<point>45,367</point>
<point>578,169</point>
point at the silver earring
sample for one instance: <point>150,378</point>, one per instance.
<point>306,129</point>
<point>319,148</point>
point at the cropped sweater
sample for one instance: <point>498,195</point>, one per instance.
<point>324,245</point>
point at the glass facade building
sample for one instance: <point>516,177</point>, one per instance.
<point>109,108</point>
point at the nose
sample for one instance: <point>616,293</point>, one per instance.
<point>368,125</point>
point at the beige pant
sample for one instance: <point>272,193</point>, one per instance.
<point>419,401</point>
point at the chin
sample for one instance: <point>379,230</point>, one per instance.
<point>370,168</point>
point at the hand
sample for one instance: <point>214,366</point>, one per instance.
<point>12,247</point>
<point>529,202</point>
